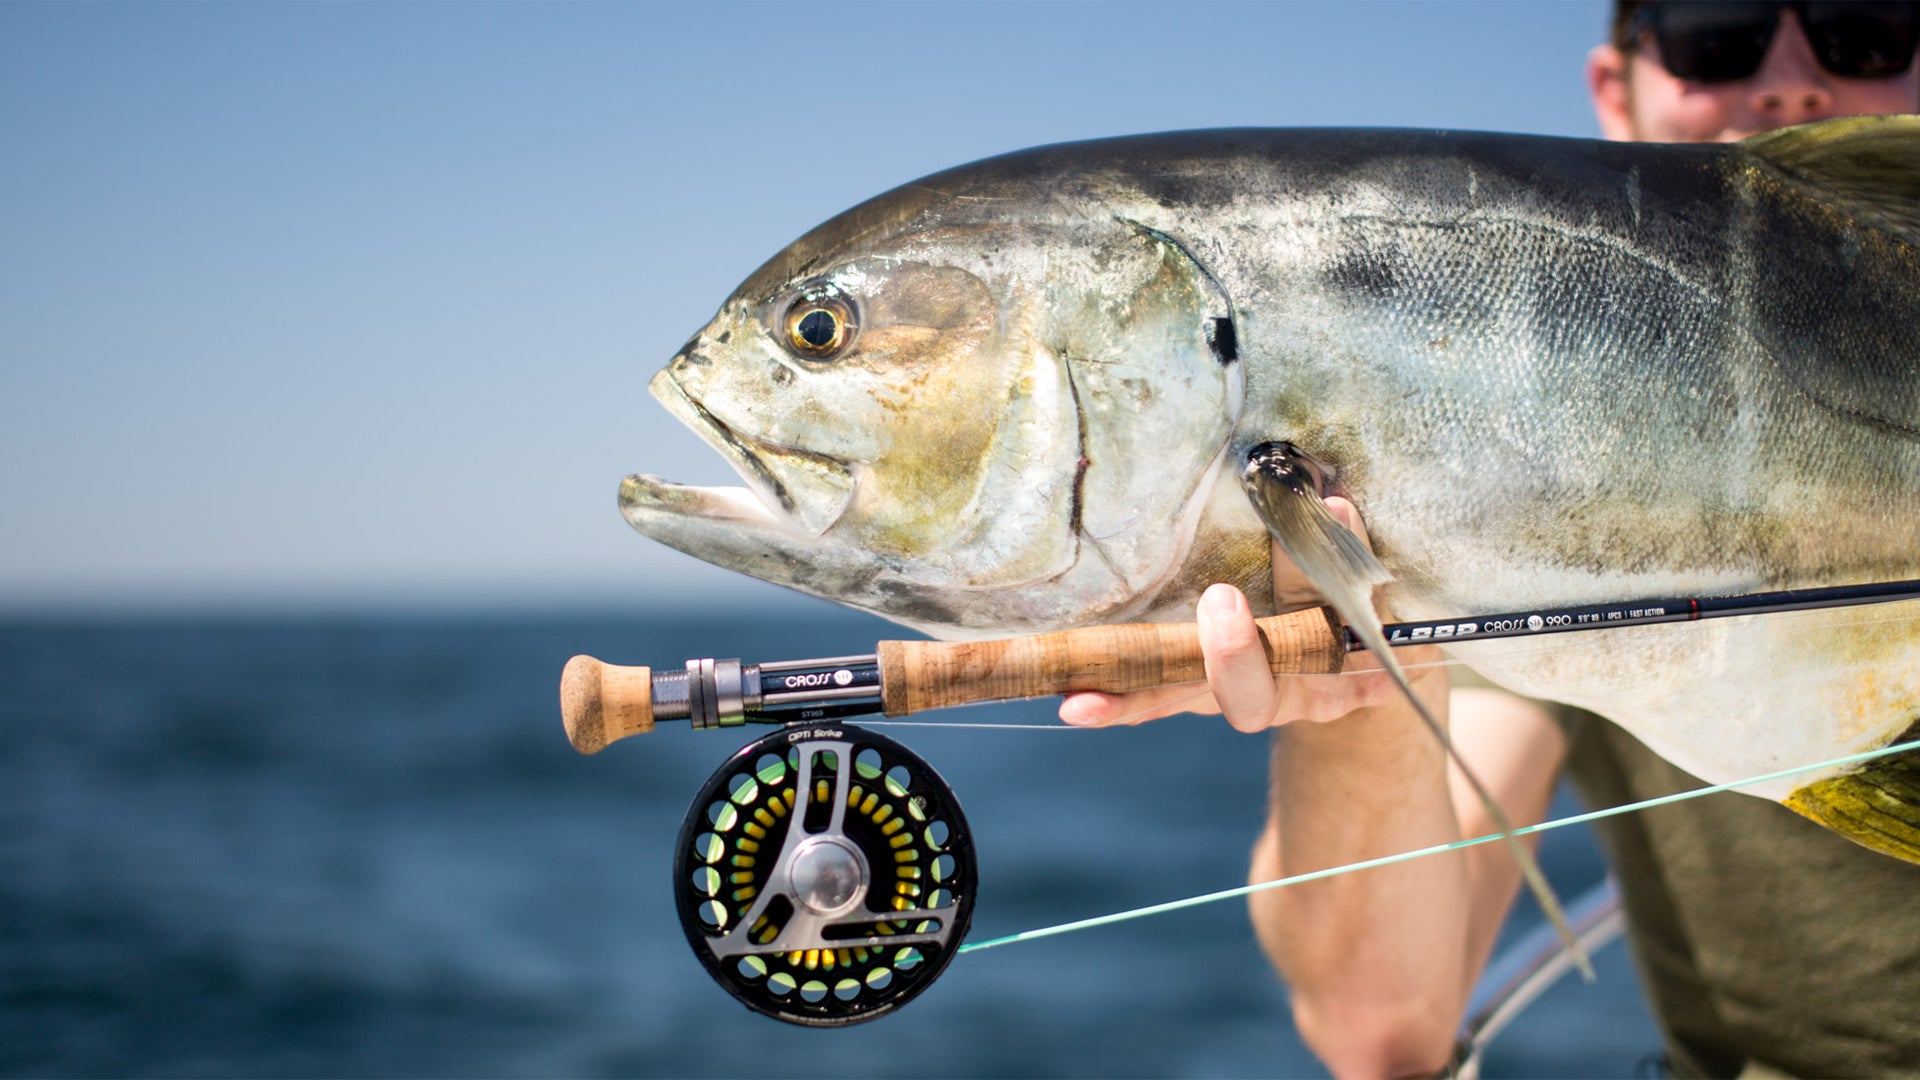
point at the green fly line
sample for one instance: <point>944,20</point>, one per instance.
<point>1389,860</point>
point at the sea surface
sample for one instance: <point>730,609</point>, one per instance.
<point>352,847</point>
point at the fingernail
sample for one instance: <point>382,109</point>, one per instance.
<point>1220,602</point>
<point>1077,712</point>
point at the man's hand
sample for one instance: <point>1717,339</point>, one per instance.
<point>1239,684</point>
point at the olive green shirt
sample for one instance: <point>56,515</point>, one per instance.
<point>1766,943</point>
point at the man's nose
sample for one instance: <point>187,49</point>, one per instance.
<point>1791,87</point>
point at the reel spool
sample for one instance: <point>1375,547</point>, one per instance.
<point>824,875</point>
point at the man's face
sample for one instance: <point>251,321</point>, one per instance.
<point>1638,98</point>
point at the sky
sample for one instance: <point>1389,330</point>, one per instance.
<point>325,306</point>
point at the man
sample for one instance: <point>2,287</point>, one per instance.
<point>1767,944</point>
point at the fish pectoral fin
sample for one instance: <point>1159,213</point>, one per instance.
<point>1285,491</point>
<point>1284,486</point>
<point>1870,163</point>
<point>1876,806</point>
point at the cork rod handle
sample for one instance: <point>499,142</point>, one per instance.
<point>603,703</point>
<point>921,675</point>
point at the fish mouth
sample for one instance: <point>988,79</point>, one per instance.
<point>789,485</point>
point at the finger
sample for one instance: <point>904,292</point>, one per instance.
<point>1342,507</point>
<point>1237,668</point>
<point>1093,709</point>
<point>1319,698</point>
<point>1297,697</point>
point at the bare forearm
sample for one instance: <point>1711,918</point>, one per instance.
<point>1378,961</point>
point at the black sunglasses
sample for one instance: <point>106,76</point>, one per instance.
<point>1714,41</point>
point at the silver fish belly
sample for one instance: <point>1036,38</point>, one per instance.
<point>1014,397</point>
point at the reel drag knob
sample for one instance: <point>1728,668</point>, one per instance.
<point>828,875</point>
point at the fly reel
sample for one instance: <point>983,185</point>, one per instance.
<point>824,875</point>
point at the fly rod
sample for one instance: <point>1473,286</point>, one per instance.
<point>601,703</point>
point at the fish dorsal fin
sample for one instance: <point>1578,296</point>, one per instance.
<point>1869,163</point>
<point>1826,265</point>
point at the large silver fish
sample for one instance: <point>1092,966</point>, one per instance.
<point>1018,395</point>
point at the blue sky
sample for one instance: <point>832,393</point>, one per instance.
<point>324,305</point>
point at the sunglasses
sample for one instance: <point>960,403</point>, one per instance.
<point>1716,41</point>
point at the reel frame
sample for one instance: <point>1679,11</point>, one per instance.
<point>824,875</point>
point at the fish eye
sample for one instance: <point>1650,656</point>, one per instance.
<point>819,328</point>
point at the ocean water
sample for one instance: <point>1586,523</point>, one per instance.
<point>362,847</point>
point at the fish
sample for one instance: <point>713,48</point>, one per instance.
<point>1018,396</point>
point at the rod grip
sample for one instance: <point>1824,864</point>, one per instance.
<point>602,703</point>
<point>921,675</point>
